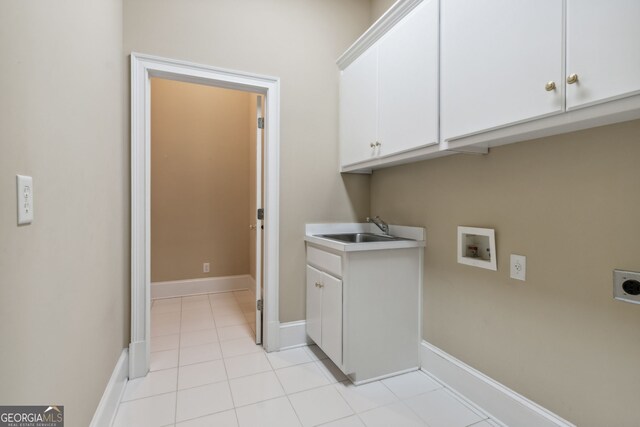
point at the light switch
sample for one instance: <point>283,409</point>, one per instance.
<point>25,199</point>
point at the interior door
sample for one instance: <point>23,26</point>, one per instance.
<point>259,221</point>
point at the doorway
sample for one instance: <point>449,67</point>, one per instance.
<point>144,68</point>
<point>206,191</point>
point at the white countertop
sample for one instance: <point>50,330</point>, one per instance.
<point>417,234</point>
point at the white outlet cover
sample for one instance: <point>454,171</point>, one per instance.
<point>518,267</point>
<point>25,199</point>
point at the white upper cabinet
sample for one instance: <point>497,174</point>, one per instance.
<point>438,77</point>
<point>408,82</point>
<point>603,50</point>
<point>501,63</point>
<point>389,93</point>
<point>358,108</point>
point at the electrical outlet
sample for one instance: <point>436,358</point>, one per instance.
<point>626,286</point>
<point>518,267</point>
<point>205,267</point>
<point>24,185</point>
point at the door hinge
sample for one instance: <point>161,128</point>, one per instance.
<point>259,305</point>
<point>260,122</point>
<point>260,213</point>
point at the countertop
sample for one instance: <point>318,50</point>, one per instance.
<point>418,235</point>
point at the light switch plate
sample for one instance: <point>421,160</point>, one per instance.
<point>518,267</point>
<point>24,186</point>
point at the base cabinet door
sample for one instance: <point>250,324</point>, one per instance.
<point>314,304</point>
<point>603,50</point>
<point>332,318</point>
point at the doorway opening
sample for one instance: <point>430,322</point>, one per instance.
<point>232,227</point>
<point>206,234</point>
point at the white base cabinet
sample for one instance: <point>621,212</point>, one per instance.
<point>324,312</point>
<point>363,309</point>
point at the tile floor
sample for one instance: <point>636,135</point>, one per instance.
<point>207,371</point>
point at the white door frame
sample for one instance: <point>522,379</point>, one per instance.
<point>143,67</point>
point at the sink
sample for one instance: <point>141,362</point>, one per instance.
<point>360,237</point>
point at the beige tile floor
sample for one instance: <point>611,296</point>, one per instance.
<point>206,370</point>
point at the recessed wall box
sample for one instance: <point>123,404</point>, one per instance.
<point>477,247</point>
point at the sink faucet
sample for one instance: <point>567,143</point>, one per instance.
<point>380,223</point>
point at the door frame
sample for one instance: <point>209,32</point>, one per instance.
<point>143,67</point>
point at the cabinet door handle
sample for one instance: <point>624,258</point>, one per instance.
<point>573,78</point>
<point>378,144</point>
<point>372,145</point>
<point>318,285</point>
<point>550,86</point>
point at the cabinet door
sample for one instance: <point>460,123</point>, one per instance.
<point>408,82</point>
<point>358,108</point>
<point>497,56</point>
<point>603,49</point>
<point>332,318</point>
<point>314,304</point>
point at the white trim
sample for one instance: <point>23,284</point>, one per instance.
<point>205,285</point>
<point>502,403</point>
<point>143,67</point>
<point>252,285</point>
<point>294,334</point>
<point>399,10</point>
<point>108,406</point>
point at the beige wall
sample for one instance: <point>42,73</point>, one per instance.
<point>64,280</point>
<point>200,170</point>
<point>299,42</point>
<point>379,7</point>
<point>570,204</point>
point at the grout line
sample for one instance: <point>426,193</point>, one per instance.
<point>146,397</point>
<point>175,413</point>
<point>389,388</point>
<point>285,393</point>
<point>224,364</point>
<point>459,397</point>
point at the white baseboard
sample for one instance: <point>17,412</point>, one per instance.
<point>106,411</point>
<point>499,401</point>
<point>293,334</point>
<point>180,288</point>
<point>252,284</point>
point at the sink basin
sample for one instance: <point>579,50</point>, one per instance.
<point>360,237</point>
